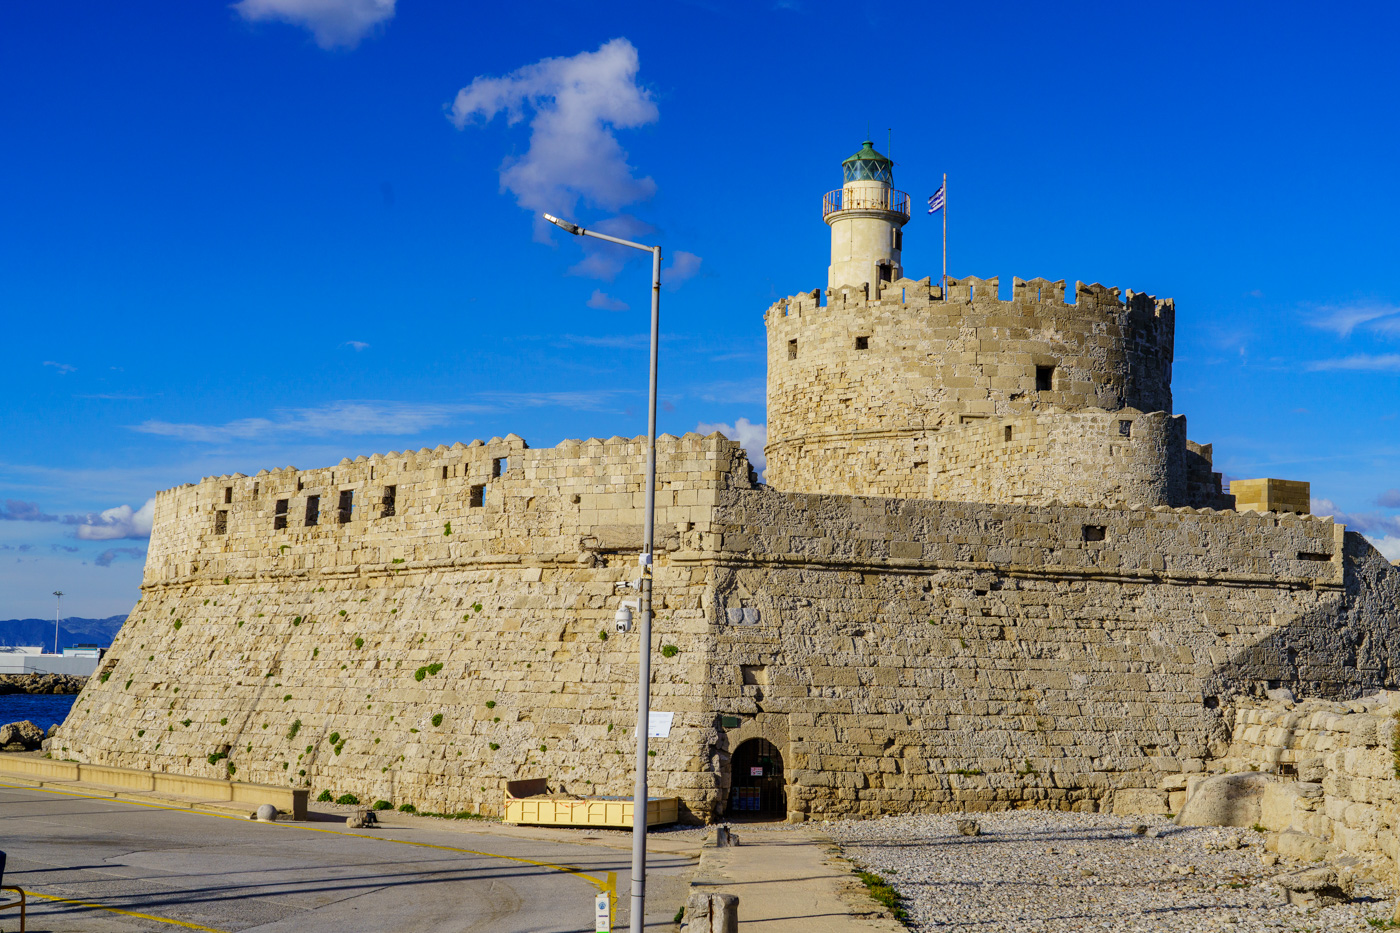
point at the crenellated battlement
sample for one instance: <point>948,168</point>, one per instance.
<point>858,384</point>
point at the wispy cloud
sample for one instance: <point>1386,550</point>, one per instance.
<point>604,260</point>
<point>367,417</point>
<point>574,105</point>
<point>737,392</point>
<point>1342,319</point>
<point>63,368</point>
<point>605,302</point>
<point>1390,499</point>
<point>683,266</point>
<point>1382,362</point>
<point>752,437</point>
<point>14,510</point>
<point>106,557</point>
<point>333,23</point>
<point>611,341</point>
<point>356,345</point>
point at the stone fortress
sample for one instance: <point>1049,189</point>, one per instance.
<point>988,569</point>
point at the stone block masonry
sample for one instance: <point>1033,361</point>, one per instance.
<point>441,632</point>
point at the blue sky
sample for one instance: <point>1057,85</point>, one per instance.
<point>286,231</point>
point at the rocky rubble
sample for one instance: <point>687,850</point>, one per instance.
<point>41,683</point>
<point>1054,872</point>
<point>21,736</point>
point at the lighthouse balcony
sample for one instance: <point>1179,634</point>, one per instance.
<point>872,199</point>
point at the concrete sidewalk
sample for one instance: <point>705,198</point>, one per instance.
<point>790,881</point>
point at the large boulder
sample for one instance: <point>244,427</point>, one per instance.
<point>1225,800</point>
<point>1316,887</point>
<point>24,734</point>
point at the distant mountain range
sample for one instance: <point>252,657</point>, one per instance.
<point>70,632</point>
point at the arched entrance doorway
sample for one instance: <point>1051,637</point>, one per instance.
<point>756,787</point>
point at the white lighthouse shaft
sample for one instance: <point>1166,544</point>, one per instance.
<point>867,216</point>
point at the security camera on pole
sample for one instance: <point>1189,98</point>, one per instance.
<point>623,620</point>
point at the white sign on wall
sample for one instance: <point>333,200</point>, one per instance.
<point>659,725</point>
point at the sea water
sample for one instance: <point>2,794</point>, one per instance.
<point>42,709</point>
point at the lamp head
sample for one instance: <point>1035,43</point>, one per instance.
<point>575,229</point>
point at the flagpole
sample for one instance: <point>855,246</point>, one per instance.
<point>945,236</point>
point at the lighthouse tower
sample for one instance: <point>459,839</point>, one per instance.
<point>867,216</point>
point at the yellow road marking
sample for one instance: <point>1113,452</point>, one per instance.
<point>609,885</point>
<point>124,913</point>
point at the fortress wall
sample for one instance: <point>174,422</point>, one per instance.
<point>1082,458</point>
<point>236,640</point>
<point>861,377</point>
<point>940,656</point>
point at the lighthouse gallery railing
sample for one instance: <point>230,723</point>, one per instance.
<point>865,199</point>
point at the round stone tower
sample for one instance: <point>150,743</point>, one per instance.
<point>867,217</point>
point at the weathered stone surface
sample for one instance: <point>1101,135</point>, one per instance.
<point>266,813</point>
<point>969,828</point>
<point>1316,887</point>
<point>1133,801</point>
<point>712,913</point>
<point>24,734</point>
<point>1225,800</point>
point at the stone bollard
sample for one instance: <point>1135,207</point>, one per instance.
<point>724,838</point>
<point>712,913</point>
<point>969,827</point>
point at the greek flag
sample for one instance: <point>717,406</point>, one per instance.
<point>935,203</point>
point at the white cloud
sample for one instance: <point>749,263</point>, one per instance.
<point>367,417</point>
<point>356,345</point>
<point>750,436</point>
<point>605,302</point>
<point>1343,319</point>
<point>120,522</point>
<point>63,368</point>
<point>1381,530</point>
<point>332,22</point>
<point>1384,362</point>
<point>575,104</point>
<point>683,266</point>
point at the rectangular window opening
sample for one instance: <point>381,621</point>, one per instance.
<point>388,502</point>
<point>313,510</point>
<point>1309,555</point>
<point>499,466</point>
<point>792,349</point>
<point>1095,533</point>
<point>478,497</point>
<point>1125,428</point>
<point>1044,378</point>
<point>257,488</point>
<point>1007,435</point>
<point>346,507</point>
<point>228,493</point>
<point>221,522</point>
<point>444,472</point>
<point>862,343</point>
<point>279,518</point>
<point>298,484</point>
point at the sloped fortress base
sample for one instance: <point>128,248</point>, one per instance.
<point>445,626</point>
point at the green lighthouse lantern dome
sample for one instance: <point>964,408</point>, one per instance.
<point>868,165</point>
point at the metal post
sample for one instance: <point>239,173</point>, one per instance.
<point>639,797</point>
<point>56,610</point>
<point>945,236</point>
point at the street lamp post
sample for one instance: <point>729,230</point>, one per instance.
<point>57,606</point>
<point>639,795</point>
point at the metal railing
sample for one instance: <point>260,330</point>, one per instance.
<point>866,199</point>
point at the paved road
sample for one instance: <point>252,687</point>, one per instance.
<point>190,870</point>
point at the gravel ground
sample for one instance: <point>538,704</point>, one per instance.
<point>1053,872</point>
